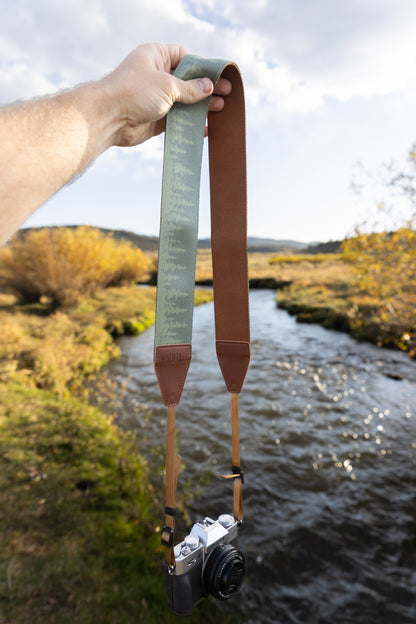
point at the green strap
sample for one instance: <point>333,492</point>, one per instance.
<point>185,127</point>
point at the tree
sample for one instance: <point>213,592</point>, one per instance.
<point>385,261</point>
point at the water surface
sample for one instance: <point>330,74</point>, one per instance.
<point>328,450</point>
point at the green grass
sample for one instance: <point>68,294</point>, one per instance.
<point>80,509</point>
<point>77,518</point>
<point>328,305</point>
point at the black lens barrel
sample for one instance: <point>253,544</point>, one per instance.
<point>224,571</point>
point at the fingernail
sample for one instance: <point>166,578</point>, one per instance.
<point>205,85</point>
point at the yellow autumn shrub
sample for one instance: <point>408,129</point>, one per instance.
<point>384,265</point>
<point>66,263</point>
<point>384,262</point>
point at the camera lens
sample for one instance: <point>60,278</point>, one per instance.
<point>224,571</point>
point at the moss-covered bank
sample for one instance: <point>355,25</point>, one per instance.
<point>338,306</point>
<point>77,518</point>
<point>56,349</point>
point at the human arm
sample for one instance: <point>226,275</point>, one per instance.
<point>47,142</point>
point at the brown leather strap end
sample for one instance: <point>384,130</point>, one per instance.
<point>171,366</point>
<point>234,359</point>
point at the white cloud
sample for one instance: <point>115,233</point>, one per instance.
<point>292,55</point>
<point>19,81</point>
<point>138,162</point>
<point>297,54</point>
<point>315,64</point>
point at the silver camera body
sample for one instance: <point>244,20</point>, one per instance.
<point>207,562</point>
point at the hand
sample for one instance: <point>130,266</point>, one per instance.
<point>65,133</point>
<point>145,90</point>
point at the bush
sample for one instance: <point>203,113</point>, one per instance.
<point>384,265</point>
<point>384,262</point>
<point>65,263</point>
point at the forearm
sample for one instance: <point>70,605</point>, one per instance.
<point>46,143</point>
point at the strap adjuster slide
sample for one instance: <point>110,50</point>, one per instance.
<point>238,472</point>
<point>170,511</point>
<point>167,537</point>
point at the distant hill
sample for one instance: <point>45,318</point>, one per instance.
<point>254,244</point>
<point>146,243</point>
<point>262,244</point>
<point>329,247</point>
<point>270,244</point>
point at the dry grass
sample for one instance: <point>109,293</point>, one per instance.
<point>304,271</point>
<point>203,265</point>
<point>56,350</point>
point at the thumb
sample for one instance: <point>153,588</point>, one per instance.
<point>192,91</point>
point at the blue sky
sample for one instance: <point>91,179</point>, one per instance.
<point>328,84</point>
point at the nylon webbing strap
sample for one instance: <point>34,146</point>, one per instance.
<point>184,138</point>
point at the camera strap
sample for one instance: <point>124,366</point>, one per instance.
<point>185,128</point>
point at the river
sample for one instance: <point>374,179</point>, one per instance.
<point>328,450</point>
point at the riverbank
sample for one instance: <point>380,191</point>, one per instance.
<point>323,291</point>
<point>79,517</point>
<point>56,349</point>
<point>321,288</point>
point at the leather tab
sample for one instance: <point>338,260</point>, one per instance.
<point>171,366</point>
<point>234,359</point>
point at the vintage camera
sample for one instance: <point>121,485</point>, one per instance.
<point>206,563</point>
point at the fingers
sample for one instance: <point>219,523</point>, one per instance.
<point>222,87</point>
<point>216,104</point>
<point>191,91</point>
<point>174,53</point>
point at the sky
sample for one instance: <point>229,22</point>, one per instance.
<point>328,84</point>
